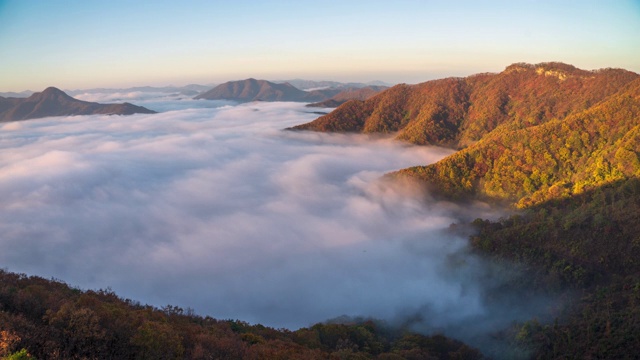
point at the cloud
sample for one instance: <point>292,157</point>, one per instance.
<point>218,209</point>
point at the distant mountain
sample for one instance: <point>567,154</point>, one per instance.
<point>325,84</point>
<point>22,94</point>
<point>187,90</point>
<point>351,93</point>
<point>262,90</point>
<point>55,102</point>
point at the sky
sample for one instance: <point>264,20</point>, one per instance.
<point>213,207</point>
<point>77,44</point>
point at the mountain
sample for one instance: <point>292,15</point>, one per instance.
<point>561,157</point>
<point>262,90</point>
<point>573,170</point>
<point>561,147</point>
<point>527,135</point>
<point>187,90</point>
<point>457,112</point>
<point>22,94</point>
<point>352,93</point>
<point>326,84</point>
<point>54,102</point>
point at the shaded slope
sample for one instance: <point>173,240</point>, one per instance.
<point>54,102</point>
<point>589,244</point>
<point>459,111</point>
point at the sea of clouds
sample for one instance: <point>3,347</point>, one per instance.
<point>214,207</point>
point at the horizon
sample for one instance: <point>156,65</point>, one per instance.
<point>80,45</point>
<point>133,86</point>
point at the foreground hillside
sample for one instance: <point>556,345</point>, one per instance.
<point>587,245</point>
<point>54,102</point>
<point>51,320</point>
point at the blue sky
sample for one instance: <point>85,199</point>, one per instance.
<point>82,44</point>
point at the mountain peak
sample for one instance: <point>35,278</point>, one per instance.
<point>52,90</point>
<point>52,93</point>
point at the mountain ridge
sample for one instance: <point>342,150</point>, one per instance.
<point>557,158</point>
<point>350,93</point>
<point>457,112</point>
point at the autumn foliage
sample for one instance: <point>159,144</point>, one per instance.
<point>558,145</point>
<point>47,319</point>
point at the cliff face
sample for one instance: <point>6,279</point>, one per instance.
<point>54,102</point>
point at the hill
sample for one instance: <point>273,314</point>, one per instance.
<point>262,90</point>
<point>362,93</point>
<point>457,112</point>
<point>54,102</point>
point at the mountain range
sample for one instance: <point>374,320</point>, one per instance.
<point>326,84</point>
<point>187,90</point>
<point>55,102</point>
<point>263,90</point>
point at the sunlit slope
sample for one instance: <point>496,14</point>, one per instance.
<point>457,112</point>
<point>559,158</point>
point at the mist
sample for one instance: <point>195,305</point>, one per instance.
<point>213,207</point>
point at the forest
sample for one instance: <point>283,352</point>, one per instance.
<point>48,319</point>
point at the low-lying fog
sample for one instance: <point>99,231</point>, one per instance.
<point>215,208</point>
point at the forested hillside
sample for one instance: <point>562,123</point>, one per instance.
<point>557,159</point>
<point>560,147</point>
<point>576,180</point>
<point>588,246</point>
<point>46,319</point>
